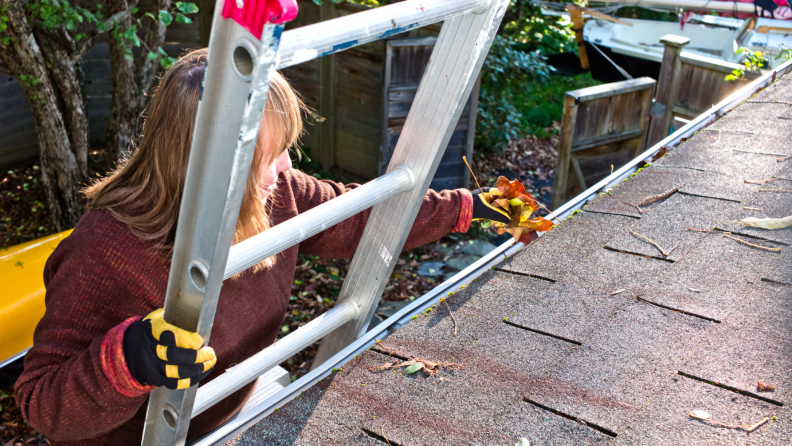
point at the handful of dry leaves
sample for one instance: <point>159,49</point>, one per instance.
<point>512,200</point>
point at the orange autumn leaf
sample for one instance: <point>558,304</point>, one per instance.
<point>515,189</point>
<point>511,199</point>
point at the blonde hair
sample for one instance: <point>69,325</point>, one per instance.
<point>145,191</point>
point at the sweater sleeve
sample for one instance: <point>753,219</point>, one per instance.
<point>73,384</point>
<point>441,213</point>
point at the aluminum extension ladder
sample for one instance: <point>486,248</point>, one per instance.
<point>247,45</point>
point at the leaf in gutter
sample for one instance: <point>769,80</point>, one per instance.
<point>767,223</point>
<point>414,368</point>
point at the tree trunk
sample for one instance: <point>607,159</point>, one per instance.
<point>71,101</point>
<point>63,172</point>
<point>123,103</point>
<point>129,85</point>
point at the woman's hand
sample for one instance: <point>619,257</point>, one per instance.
<point>481,210</point>
<point>161,354</point>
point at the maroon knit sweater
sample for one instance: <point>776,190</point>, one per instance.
<point>102,275</point>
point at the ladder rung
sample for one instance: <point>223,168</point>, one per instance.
<point>238,376</point>
<point>331,36</point>
<point>287,234</point>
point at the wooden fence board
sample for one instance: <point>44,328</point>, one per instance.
<point>601,126</point>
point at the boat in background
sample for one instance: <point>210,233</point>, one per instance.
<point>633,45</point>
<point>710,36</point>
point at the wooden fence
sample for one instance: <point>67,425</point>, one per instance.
<point>602,126</point>
<point>691,83</point>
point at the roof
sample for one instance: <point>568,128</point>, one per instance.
<point>554,352</point>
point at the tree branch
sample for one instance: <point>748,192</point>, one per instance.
<point>153,38</point>
<point>89,41</point>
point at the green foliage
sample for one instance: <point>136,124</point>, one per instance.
<point>518,94</point>
<point>786,53</point>
<point>534,31</point>
<point>506,70</point>
<point>28,81</point>
<point>60,13</point>
<point>635,12</point>
<point>754,62</point>
<point>4,24</point>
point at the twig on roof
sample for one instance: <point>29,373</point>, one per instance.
<point>662,251</point>
<point>775,190</point>
<point>659,197</point>
<point>784,158</point>
<point>704,416</point>
<point>766,180</point>
<point>752,209</point>
<point>758,153</point>
<point>699,230</point>
<point>636,206</point>
<point>672,249</point>
<point>617,292</point>
<point>752,245</point>
<point>691,289</point>
<point>717,140</point>
<point>729,130</point>
<point>452,316</point>
<point>548,211</point>
<point>769,102</point>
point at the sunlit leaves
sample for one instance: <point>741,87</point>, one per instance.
<point>165,17</point>
<point>181,18</point>
<point>186,8</point>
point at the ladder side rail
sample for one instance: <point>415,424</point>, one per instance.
<point>320,39</point>
<point>238,72</point>
<point>287,234</point>
<point>240,375</point>
<point>446,84</point>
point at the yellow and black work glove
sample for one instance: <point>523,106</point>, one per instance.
<point>482,211</point>
<point>160,354</point>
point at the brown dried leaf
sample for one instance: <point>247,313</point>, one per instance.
<point>518,204</point>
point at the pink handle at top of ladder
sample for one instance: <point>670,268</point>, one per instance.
<point>254,14</point>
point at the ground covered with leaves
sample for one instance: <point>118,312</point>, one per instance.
<point>13,429</point>
<point>24,213</point>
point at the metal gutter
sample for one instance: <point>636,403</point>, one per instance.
<point>464,277</point>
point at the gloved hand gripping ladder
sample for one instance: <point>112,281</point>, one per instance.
<point>247,44</point>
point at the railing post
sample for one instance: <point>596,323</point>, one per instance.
<point>576,14</point>
<point>667,88</point>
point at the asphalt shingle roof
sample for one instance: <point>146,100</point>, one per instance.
<point>551,354</point>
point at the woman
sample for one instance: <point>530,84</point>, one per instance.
<point>94,359</point>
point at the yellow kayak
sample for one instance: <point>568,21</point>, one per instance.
<point>22,296</point>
